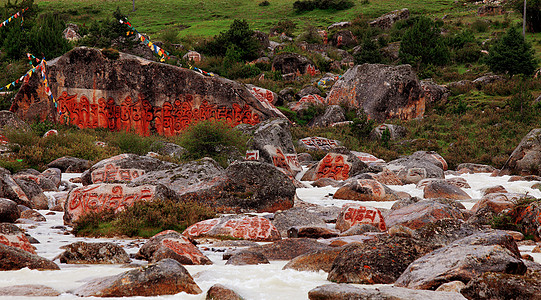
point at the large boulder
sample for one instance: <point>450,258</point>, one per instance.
<point>380,260</point>
<point>220,292</point>
<point>132,93</point>
<point>314,261</point>
<point>333,114</point>
<point>526,158</point>
<point>288,62</point>
<point>463,260</point>
<point>235,227</point>
<point>93,253</point>
<point>288,249</point>
<point>344,39</point>
<point>9,120</point>
<point>383,91</point>
<point>419,214</point>
<point>29,290</point>
<point>434,93</point>
<point>171,244</point>
<point>387,20</point>
<point>500,286</point>
<point>418,166</point>
<point>350,292</point>
<point>395,131</point>
<point>69,164</point>
<point>8,211</point>
<point>9,189</point>
<point>16,259</point>
<point>296,217</point>
<point>11,235</point>
<point>123,168</point>
<point>108,196</point>
<point>443,189</point>
<point>353,214</point>
<point>166,277</point>
<point>365,190</point>
<point>48,181</point>
<point>32,190</point>
<point>338,165</point>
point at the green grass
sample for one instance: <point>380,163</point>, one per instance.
<point>209,17</point>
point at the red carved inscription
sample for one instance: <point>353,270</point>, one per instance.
<point>251,228</point>
<point>333,166</point>
<point>364,215</point>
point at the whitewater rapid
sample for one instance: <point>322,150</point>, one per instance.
<point>251,282</point>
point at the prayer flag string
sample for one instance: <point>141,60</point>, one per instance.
<point>15,16</point>
<point>155,48</point>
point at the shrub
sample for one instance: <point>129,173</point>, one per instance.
<point>213,139</point>
<point>111,53</point>
<point>480,25</point>
<point>308,5</point>
<point>143,219</point>
<point>469,53</point>
<point>284,26</point>
<point>362,126</point>
<point>130,142</point>
<point>239,36</point>
<point>264,3</point>
<point>512,54</point>
<point>369,52</point>
<point>310,35</point>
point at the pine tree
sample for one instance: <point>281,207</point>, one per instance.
<point>512,54</point>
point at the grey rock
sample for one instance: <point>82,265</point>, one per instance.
<point>8,211</point>
<point>333,114</point>
<point>296,217</point>
<point>29,290</point>
<point>73,164</point>
<point>526,158</point>
<point>350,292</point>
<point>387,20</point>
<point>34,193</point>
<point>395,132</point>
<point>94,253</point>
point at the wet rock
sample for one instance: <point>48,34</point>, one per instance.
<point>333,114</point>
<point>35,194</point>
<point>387,177</point>
<point>9,189</point>
<point>476,168</point>
<point>73,164</point>
<point>337,166</point>
<point>323,182</point>
<point>11,235</point>
<point>29,290</point>
<point>33,215</point>
<point>365,190</point>
<point>123,168</point>
<point>387,20</point>
<point>314,261</point>
<point>419,214</point>
<point>353,214</point>
<point>499,286</point>
<point>54,175</point>
<point>527,216</point>
<point>380,260</point>
<point>171,244</point>
<point>8,211</point>
<point>247,257</point>
<point>220,292</point>
<point>288,249</point>
<point>93,253</point>
<point>247,186</point>
<point>443,189</point>
<point>312,232</point>
<point>383,91</point>
<point>526,158</point>
<point>44,183</point>
<point>395,132</point>
<point>16,259</point>
<point>445,231</point>
<point>291,63</point>
<point>166,277</point>
<point>236,226</point>
<point>298,217</point>
<point>347,291</point>
<point>463,260</point>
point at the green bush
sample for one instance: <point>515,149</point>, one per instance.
<point>480,25</point>
<point>362,126</point>
<point>131,142</point>
<point>284,26</point>
<point>47,39</point>
<point>239,36</point>
<point>143,219</point>
<point>369,52</point>
<point>213,139</point>
<point>301,6</point>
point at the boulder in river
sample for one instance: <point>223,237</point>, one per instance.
<point>171,244</point>
<point>235,226</point>
<point>16,259</point>
<point>336,165</point>
<point>353,214</point>
<point>94,253</point>
<point>29,290</point>
<point>347,291</point>
<point>500,286</point>
<point>526,158</point>
<point>11,235</point>
<point>419,214</point>
<point>220,292</point>
<point>296,217</point>
<point>365,190</point>
<point>8,211</point>
<point>288,249</point>
<point>69,164</point>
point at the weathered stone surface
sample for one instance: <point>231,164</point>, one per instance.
<point>380,260</point>
<point>149,97</point>
<point>333,114</point>
<point>419,214</point>
<point>322,182</point>
<point>350,292</point>
<point>382,91</point>
<point>500,286</point>
<point>453,286</point>
<point>491,205</point>
<point>527,217</point>
<point>365,190</point>
<point>476,168</point>
<point>93,253</point>
<point>344,39</point>
<point>395,131</point>
<point>490,10</point>
<point>98,197</point>
<point>247,186</point>
<point>314,261</point>
<point>313,232</point>
<point>8,210</point>
<point>16,259</point>
<point>68,164</point>
<point>443,189</point>
<point>445,231</point>
<point>236,226</point>
<point>418,166</point>
<point>123,168</point>
<point>220,292</point>
<point>359,229</point>
<point>318,143</point>
<point>9,120</point>
<point>11,235</point>
<point>296,217</point>
<point>433,92</point>
<point>288,62</point>
<point>167,277</point>
<point>29,290</point>
<point>9,189</point>
<point>247,257</point>
<point>288,249</point>
<point>336,165</point>
<point>526,158</point>
<point>463,260</point>
<point>171,244</point>
<point>44,183</point>
<point>353,213</point>
<point>35,194</point>
<point>459,182</point>
<point>33,215</point>
<point>387,20</point>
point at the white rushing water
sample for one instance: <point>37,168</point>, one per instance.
<point>251,282</point>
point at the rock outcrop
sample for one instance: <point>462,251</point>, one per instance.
<point>526,158</point>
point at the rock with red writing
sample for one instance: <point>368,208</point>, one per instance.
<point>526,158</point>
<point>69,164</point>
<point>419,214</point>
<point>368,158</point>
<point>8,211</point>
<point>288,62</point>
<point>172,244</point>
<point>11,235</point>
<point>343,39</point>
<point>46,183</point>
<point>93,253</point>
<point>318,143</point>
<point>527,217</point>
<point>333,114</point>
<point>383,91</point>
<point>9,189</point>
<point>336,165</point>
<point>115,197</point>
<point>365,190</point>
<point>353,213</point>
<point>263,94</point>
<point>246,186</point>
<point>132,93</point>
<point>123,168</point>
<point>236,226</point>
<point>306,102</point>
<point>443,189</point>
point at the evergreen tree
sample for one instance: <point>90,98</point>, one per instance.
<point>369,52</point>
<point>239,37</point>
<point>422,44</point>
<point>512,54</point>
<point>46,38</point>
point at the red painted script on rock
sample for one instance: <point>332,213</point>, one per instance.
<point>333,166</point>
